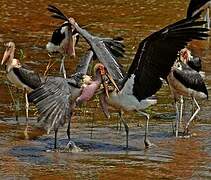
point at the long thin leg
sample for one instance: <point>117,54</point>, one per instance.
<point>193,116</point>
<point>181,111</point>
<point>68,127</point>
<point>15,103</point>
<point>71,144</point>
<point>147,143</point>
<point>48,67</point>
<point>208,17</point>
<point>119,122</point>
<point>193,109</point>
<point>27,115</point>
<point>55,139</point>
<point>126,127</point>
<point>62,67</point>
<point>92,126</point>
<point>177,118</point>
<point>17,108</point>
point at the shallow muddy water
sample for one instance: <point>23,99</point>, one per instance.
<point>103,154</point>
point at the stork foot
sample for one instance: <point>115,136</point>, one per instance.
<point>186,133</point>
<point>26,135</point>
<point>140,124</point>
<point>71,146</point>
<point>148,144</point>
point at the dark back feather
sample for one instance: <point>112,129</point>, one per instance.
<point>190,78</point>
<point>195,63</point>
<point>28,77</point>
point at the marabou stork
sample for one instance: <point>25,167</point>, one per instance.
<point>29,80</point>
<point>154,59</point>
<point>20,76</point>
<point>190,68</point>
<point>185,81</point>
<point>55,99</point>
<point>193,61</point>
<point>107,50</point>
<point>196,6</point>
<point>185,56</point>
<point>63,40</point>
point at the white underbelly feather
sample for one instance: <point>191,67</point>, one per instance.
<point>129,102</point>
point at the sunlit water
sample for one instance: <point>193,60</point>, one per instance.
<point>103,155</point>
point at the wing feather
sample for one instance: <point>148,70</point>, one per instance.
<point>52,100</point>
<point>157,53</point>
<point>195,6</point>
<point>28,77</point>
<point>190,78</point>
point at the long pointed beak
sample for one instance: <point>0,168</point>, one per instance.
<point>71,45</point>
<point>112,81</point>
<point>5,57</point>
<point>105,86</point>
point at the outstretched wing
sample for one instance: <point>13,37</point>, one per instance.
<point>107,50</point>
<point>157,53</point>
<point>195,6</point>
<point>52,100</point>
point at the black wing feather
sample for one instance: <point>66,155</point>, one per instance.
<point>195,6</point>
<point>190,78</point>
<point>157,53</point>
<point>52,100</point>
<point>195,63</point>
<point>28,77</point>
<point>57,13</point>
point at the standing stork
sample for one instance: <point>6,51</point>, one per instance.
<point>185,81</point>
<point>20,76</point>
<point>154,58</point>
<point>63,40</point>
<point>185,56</point>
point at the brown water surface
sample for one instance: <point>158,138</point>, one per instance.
<point>29,25</point>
